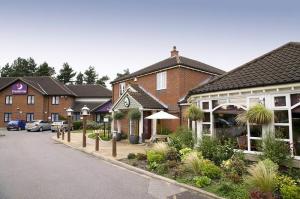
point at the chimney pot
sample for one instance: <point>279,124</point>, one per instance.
<point>174,52</point>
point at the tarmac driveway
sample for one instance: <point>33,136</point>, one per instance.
<point>33,166</point>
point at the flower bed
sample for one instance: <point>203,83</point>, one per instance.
<point>217,168</point>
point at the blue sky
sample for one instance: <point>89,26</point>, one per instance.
<point>114,35</point>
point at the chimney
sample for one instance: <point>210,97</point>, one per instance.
<point>174,52</point>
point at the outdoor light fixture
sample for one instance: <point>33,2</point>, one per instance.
<point>69,111</point>
<point>85,111</point>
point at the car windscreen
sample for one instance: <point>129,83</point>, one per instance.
<point>13,122</point>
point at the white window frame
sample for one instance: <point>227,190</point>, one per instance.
<point>29,117</point>
<point>209,110</point>
<point>55,100</point>
<point>54,117</point>
<point>161,80</point>
<point>8,99</point>
<point>7,117</point>
<point>30,99</point>
<point>122,88</point>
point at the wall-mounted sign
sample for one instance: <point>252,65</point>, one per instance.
<point>106,119</point>
<point>19,88</point>
<point>126,101</point>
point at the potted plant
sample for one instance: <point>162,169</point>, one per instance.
<point>134,115</point>
<point>257,114</point>
<point>118,116</point>
<point>194,113</point>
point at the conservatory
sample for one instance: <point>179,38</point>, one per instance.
<point>272,80</point>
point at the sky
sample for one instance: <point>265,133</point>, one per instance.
<point>118,34</point>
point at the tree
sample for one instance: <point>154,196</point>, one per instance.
<point>45,70</point>
<point>6,71</point>
<point>79,78</point>
<point>125,72</point>
<point>102,80</point>
<point>66,74</point>
<point>90,75</point>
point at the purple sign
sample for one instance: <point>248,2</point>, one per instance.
<point>19,88</point>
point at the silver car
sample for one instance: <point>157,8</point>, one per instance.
<point>38,125</point>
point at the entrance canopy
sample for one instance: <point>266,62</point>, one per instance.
<point>162,115</point>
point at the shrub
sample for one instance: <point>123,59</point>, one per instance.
<point>172,163</point>
<point>287,187</point>
<point>202,181</point>
<point>161,147</point>
<point>209,169</point>
<point>141,156</point>
<point>152,166</point>
<point>232,190</point>
<point>183,152</point>
<point>162,169</point>
<point>192,162</point>
<point>183,137</point>
<point>172,154</point>
<point>259,114</point>
<point>119,115</point>
<point>277,151</point>
<point>77,125</point>
<point>194,113</point>
<point>234,167</point>
<point>92,125</point>
<point>131,156</point>
<point>214,150</point>
<point>262,176</point>
<point>153,156</point>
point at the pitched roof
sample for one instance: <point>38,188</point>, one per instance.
<point>145,99</point>
<point>91,105</point>
<point>279,66</point>
<point>170,62</point>
<point>44,84</point>
<point>89,90</point>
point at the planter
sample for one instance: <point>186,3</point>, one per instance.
<point>133,139</point>
<point>119,136</point>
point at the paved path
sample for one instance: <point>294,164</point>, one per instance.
<point>33,166</point>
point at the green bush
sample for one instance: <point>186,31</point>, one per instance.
<point>183,137</point>
<point>152,166</point>
<point>262,176</point>
<point>287,187</point>
<point>213,149</point>
<point>161,147</point>
<point>131,156</point>
<point>134,114</point>
<point>141,156</point>
<point>92,125</point>
<point>77,125</point>
<point>202,181</point>
<point>153,156</point>
<point>172,163</point>
<point>234,167</point>
<point>277,151</point>
<point>194,113</point>
<point>209,169</point>
<point>118,115</point>
<point>162,169</point>
<point>172,154</point>
<point>232,190</point>
<point>183,152</point>
<point>192,162</point>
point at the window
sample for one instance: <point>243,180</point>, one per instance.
<point>30,99</point>
<point>29,117</point>
<point>8,99</point>
<point>54,117</point>
<point>76,116</point>
<point>122,88</point>
<point>7,117</point>
<point>161,80</point>
<point>279,101</point>
<point>55,100</point>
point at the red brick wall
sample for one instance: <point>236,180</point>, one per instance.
<point>42,104</point>
<point>179,82</point>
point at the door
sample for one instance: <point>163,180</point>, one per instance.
<point>147,125</point>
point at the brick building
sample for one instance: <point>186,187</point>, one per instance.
<point>44,98</point>
<point>159,87</point>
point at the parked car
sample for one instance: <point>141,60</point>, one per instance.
<point>38,125</point>
<point>60,125</point>
<point>16,125</point>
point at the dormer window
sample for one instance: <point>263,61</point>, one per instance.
<point>122,88</point>
<point>161,80</point>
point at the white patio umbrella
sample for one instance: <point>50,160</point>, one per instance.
<point>161,115</point>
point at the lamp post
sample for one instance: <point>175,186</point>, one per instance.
<point>69,113</point>
<point>84,112</point>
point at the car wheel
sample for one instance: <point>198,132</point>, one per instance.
<point>41,129</point>
<point>19,129</point>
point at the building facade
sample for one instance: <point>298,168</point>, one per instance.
<point>272,80</point>
<point>41,98</point>
<point>159,87</point>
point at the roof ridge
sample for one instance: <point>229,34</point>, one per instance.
<point>242,66</point>
<point>63,87</point>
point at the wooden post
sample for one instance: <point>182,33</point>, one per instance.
<point>84,132</point>
<point>62,133</point>
<point>69,128</point>
<point>114,144</point>
<point>97,140</point>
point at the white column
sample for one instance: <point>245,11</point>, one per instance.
<point>153,128</point>
<point>193,126</point>
<point>119,126</point>
<point>199,130</point>
<point>130,127</point>
<point>112,128</point>
<point>141,127</point>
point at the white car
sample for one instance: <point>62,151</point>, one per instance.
<point>37,125</point>
<point>60,125</point>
